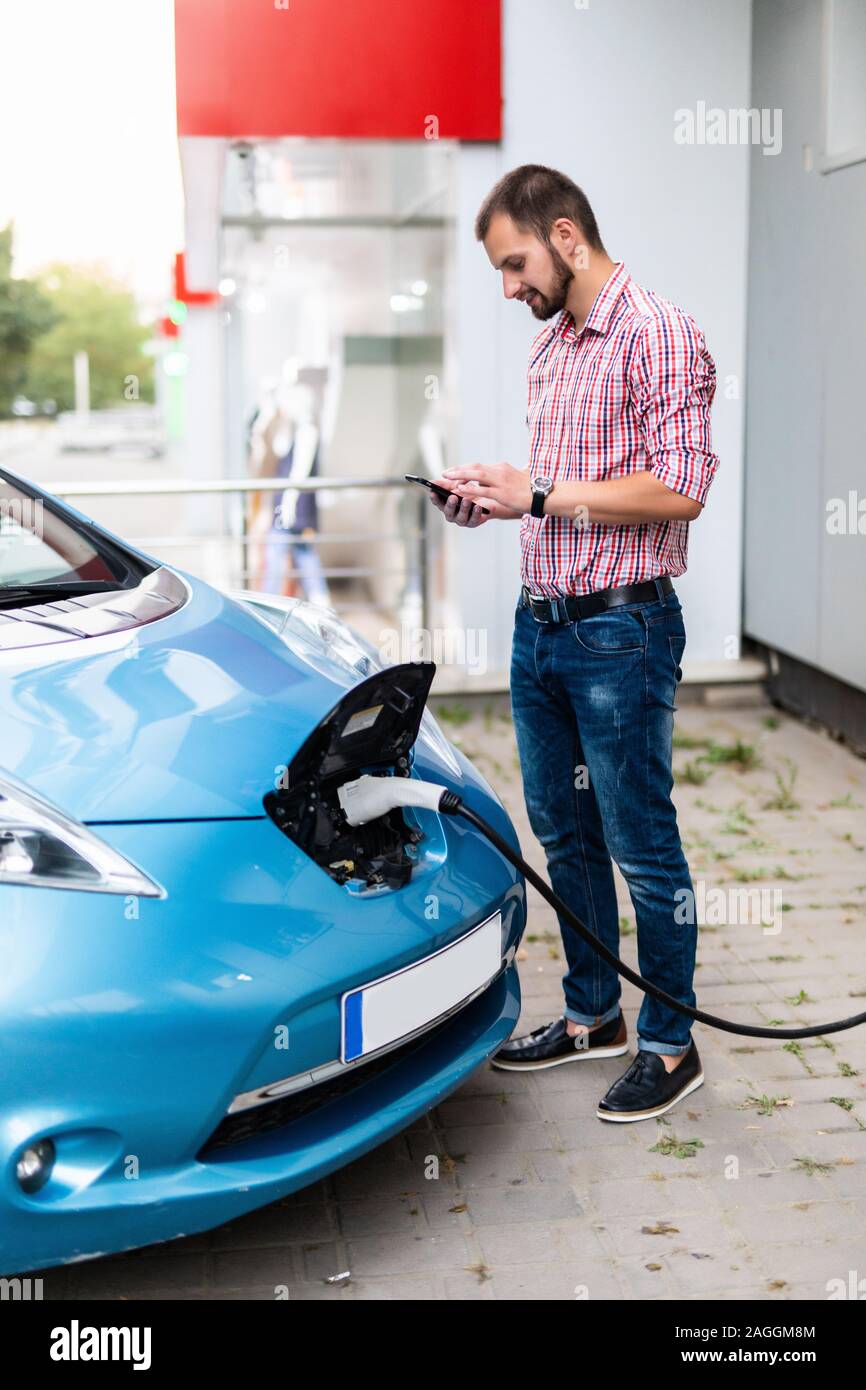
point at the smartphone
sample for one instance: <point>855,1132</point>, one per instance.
<point>434,487</point>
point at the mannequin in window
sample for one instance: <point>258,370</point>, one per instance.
<point>289,448</point>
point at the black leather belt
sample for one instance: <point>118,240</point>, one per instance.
<point>570,607</point>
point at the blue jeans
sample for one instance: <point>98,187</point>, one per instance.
<point>593,709</point>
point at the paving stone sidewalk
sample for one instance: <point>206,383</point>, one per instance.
<point>755,1187</point>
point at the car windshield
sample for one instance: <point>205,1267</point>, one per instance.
<point>39,546</point>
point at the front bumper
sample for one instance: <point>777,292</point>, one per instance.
<point>118,1214</point>
<point>127,1028</point>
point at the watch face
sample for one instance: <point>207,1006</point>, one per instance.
<point>542,484</point>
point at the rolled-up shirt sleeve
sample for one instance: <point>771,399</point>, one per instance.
<point>673,384</point>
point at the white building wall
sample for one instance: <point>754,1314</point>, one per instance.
<point>805,566</point>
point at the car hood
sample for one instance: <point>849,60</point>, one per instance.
<point>191,716</point>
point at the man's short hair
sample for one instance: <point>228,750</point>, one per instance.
<point>534,196</point>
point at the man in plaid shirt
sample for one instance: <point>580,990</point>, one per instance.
<point>620,461</point>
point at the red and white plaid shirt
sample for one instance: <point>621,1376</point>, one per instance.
<point>631,391</point>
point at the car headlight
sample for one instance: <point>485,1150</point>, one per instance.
<point>318,636</point>
<point>42,847</point>
<point>307,623</point>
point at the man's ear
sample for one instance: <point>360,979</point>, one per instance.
<point>562,233</point>
<point>566,235</point>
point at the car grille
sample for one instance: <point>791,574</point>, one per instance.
<point>279,1114</point>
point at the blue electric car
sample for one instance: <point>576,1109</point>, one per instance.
<point>213,989</point>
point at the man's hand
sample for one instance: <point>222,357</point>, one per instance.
<point>493,485</point>
<point>461,507</point>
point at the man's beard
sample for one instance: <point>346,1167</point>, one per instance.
<point>548,305</point>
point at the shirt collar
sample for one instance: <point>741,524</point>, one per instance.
<point>598,318</point>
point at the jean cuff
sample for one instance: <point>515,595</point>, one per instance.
<point>668,1049</point>
<point>590,1020</point>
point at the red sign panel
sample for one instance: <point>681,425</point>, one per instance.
<point>374,69</point>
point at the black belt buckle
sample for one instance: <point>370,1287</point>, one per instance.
<point>543,610</point>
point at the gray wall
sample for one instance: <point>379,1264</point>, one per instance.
<point>593,91</point>
<point>804,588</point>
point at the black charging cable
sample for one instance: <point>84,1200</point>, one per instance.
<point>451,804</point>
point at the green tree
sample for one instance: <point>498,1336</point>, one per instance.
<point>25,313</point>
<point>98,315</point>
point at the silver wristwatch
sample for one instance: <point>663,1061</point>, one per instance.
<point>541,487</point>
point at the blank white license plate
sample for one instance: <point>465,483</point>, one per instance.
<point>398,1005</point>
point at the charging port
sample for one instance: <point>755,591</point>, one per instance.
<point>371,730</point>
